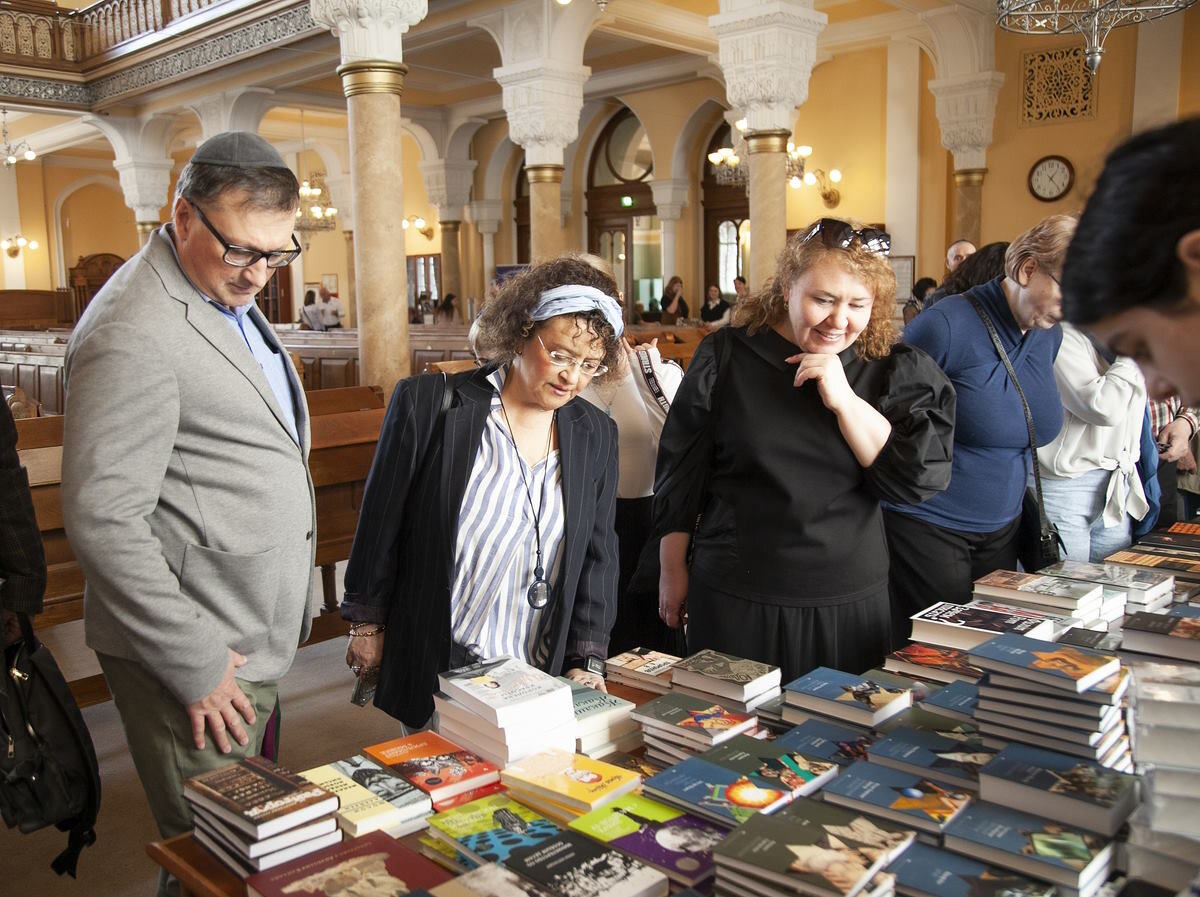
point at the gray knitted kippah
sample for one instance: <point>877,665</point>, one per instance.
<point>238,149</point>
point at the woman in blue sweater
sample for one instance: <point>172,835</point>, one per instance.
<point>940,547</point>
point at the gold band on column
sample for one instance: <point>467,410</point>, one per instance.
<point>767,141</point>
<point>372,76</point>
<point>146,228</point>
<point>449,227</point>
<point>969,177</point>
<point>544,174</point>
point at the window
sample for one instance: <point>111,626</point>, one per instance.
<point>424,276</point>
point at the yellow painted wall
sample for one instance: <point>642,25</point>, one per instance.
<point>31,201</point>
<point>96,219</point>
<point>416,201</point>
<point>1189,68</point>
<point>665,111</point>
<point>935,215</point>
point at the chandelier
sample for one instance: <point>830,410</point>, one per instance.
<point>13,151</point>
<point>728,170</point>
<point>1091,19</point>
<point>314,214</point>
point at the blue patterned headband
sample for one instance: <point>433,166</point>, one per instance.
<point>574,298</point>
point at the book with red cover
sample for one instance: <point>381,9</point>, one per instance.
<point>435,764</point>
<point>376,860</point>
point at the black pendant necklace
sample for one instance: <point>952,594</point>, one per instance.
<point>538,593</point>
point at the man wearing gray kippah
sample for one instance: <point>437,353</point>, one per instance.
<point>185,488</point>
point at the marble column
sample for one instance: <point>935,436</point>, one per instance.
<point>486,214</point>
<point>546,238</point>
<point>373,89</point>
<point>768,202</point>
<point>968,204</point>
<point>452,262</point>
<point>349,297</point>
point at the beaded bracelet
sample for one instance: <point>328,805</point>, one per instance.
<point>356,633</point>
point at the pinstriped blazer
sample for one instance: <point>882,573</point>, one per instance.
<point>402,562</point>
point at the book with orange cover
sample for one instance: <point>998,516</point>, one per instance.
<point>435,764</point>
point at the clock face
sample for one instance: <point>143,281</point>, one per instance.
<point>1051,178</point>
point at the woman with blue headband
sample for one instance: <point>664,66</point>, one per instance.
<point>486,527</point>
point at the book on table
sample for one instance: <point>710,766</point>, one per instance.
<point>963,626</point>
<point>572,865</point>
<point>934,662</point>
<point>810,847</point>
<point>488,829</point>
<point>1031,845</point>
<point>1078,792</point>
<point>906,799</point>
<point>228,851</point>
<point>677,843</point>
<point>715,793</point>
<point>1068,714</point>
<point>1108,691</point>
<point>825,741</point>
<point>359,811</point>
<point>1166,635</point>
<point>1140,586</point>
<point>951,755</point>
<point>694,719</point>
<point>444,855</point>
<point>598,713</point>
<point>436,765</point>
<point>500,750</point>
<point>924,871</point>
<point>642,668</point>
<point>374,863</point>
<point>1106,749</point>
<point>788,770</point>
<point>489,880</point>
<point>1040,590</point>
<point>1097,640</point>
<point>725,675</point>
<point>842,695</point>
<point>956,700</point>
<point>1183,569</point>
<point>570,780</point>
<point>1060,621</point>
<point>1060,667</point>
<point>920,688</point>
<point>508,692</point>
<point>249,848</point>
<point>259,797</point>
<point>411,801</point>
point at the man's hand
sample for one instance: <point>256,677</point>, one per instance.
<point>583,677</point>
<point>1173,440</point>
<point>1187,464</point>
<point>220,710</point>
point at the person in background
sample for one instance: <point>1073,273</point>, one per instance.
<point>914,305</point>
<point>957,253</point>
<point>22,560</point>
<point>979,267</point>
<point>486,529</point>
<point>310,314</point>
<point>331,310</point>
<point>789,427</point>
<point>741,291</point>
<point>674,306</point>
<point>939,548</point>
<point>716,311</point>
<point>1189,482</point>
<point>1174,426</point>
<point>447,310</point>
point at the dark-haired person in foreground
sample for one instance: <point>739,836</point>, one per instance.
<point>1132,274</point>
<point>185,487</point>
<point>487,529</point>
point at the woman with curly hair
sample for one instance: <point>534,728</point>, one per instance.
<point>789,428</point>
<point>486,528</point>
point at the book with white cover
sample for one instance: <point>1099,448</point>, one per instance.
<point>963,626</point>
<point>1141,586</point>
<point>509,692</point>
<point>1040,590</point>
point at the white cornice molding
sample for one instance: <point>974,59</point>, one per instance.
<point>649,22</point>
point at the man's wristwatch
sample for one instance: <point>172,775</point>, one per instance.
<point>591,664</point>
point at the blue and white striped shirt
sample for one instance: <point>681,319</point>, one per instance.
<point>496,546</point>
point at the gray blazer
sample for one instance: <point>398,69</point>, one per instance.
<point>185,499</point>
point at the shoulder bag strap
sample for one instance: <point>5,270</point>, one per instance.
<point>1037,477</point>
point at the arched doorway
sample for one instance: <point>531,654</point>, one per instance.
<point>726,224</point>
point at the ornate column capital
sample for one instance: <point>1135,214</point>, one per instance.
<point>448,186</point>
<point>670,196</point>
<point>542,99</point>
<point>145,183</point>
<point>369,29</point>
<point>966,110</point>
<point>767,51</point>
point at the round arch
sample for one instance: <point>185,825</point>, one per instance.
<point>100,180</point>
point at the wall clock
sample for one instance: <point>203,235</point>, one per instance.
<point>1051,178</point>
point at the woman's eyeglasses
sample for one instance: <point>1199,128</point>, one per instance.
<point>838,234</point>
<point>244,257</point>
<point>563,360</point>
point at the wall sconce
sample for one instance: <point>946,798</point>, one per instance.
<point>12,246</point>
<point>830,195</point>
<point>416,221</point>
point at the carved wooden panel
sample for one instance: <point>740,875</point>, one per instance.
<point>1055,87</point>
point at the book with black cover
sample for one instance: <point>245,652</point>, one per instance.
<point>1167,635</point>
<point>572,865</point>
<point>694,719</point>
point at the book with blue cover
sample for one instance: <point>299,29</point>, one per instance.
<point>950,755</point>
<point>1061,667</point>
<point>1070,789</point>
<point>956,700</point>
<point>825,741</point>
<point>841,695</point>
<point>715,793</point>
<point>785,768</point>
<point>1031,845</point>
<point>924,871</point>
<point>904,798</point>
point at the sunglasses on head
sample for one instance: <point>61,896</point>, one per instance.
<point>838,234</point>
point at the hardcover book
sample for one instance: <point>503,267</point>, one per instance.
<point>726,675</point>
<point>396,790</point>
<point>259,797</point>
<point>695,719</point>
<point>788,770</point>
<point>571,865</point>
<point>1040,590</point>
<point>1163,634</point>
<point>677,843</point>
<point>509,692</point>
<point>1076,791</point>
<point>359,810</point>
<point>964,626</point>
<point>571,780</point>
<point>489,829</point>
<point>1140,586</point>
<point>825,741</point>
<point>951,755</point>
<point>933,662</point>
<point>714,792</point>
<point>924,871</point>
<point>374,863</point>
<point>956,700</point>
<point>813,848</point>
<point>858,700</point>
<point>1061,667</point>
<point>907,799</point>
<point>436,765</point>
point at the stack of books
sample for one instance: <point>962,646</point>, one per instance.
<point>1059,697</point>
<point>932,663</point>
<point>562,785</point>
<point>1174,635</point>
<point>956,700</point>
<point>734,682</point>
<point>913,800</point>
<point>841,698</point>
<point>924,871</point>
<point>964,626</point>
<point>1166,700</point>
<point>504,709</point>
<point>1144,589</point>
<point>1162,858</point>
<point>1144,556</point>
<point>603,723</point>
<point>1036,591</point>
<point>255,814</point>
<point>952,754</point>
<point>372,798</point>
<point>677,726</point>
<point>448,773</point>
<point>642,668</point>
<point>825,741</point>
<point>810,847</point>
<point>723,795</point>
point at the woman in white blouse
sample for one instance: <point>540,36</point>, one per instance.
<point>1090,481</point>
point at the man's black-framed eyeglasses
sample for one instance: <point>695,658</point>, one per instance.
<point>244,257</point>
<point>838,234</point>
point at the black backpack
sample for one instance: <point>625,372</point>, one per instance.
<point>48,769</point>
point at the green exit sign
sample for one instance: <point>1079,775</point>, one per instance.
<point>627,201</point>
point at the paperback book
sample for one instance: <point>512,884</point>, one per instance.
<point>924,871</point>
<point>229,850</point>
<point>1140,586</point>
<point>642,668</point>
<point>725,675</point>
<point>904,798</point>
<point>713,792</point>
<point>825,741</point>
<point>1166,635</point>
<point>509,692</point>
<point>489,829</point>
<point>950,756</point>
<point>599,715</point>
<point>570,780</point>
<point>788,770</point>
<point>489,880</point>
<point>852,698</point>
<point>956,700</point>
<point>1184,569</point>
<point>1108,691</point>
<point>933,662</point>
<point>436,765</point>
<point>694,719</point>
<point>1060,667</point>
<point>572,865</point>
<point>964,626</point>
<point>359,811</point>
<point>411,801</point>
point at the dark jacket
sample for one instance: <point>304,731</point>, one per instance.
<point>22,562</point>
<point>402,563</point>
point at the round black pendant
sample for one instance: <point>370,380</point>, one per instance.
<point>538,594</point>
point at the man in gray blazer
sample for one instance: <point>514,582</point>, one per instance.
<point>185,490</point>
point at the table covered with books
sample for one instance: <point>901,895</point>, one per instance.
<point>1039,740</point>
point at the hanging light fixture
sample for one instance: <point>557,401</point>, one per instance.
<point>1091,19</point>
<point>314,213</point>
<point>728,170</point>
<point>13,152</point>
